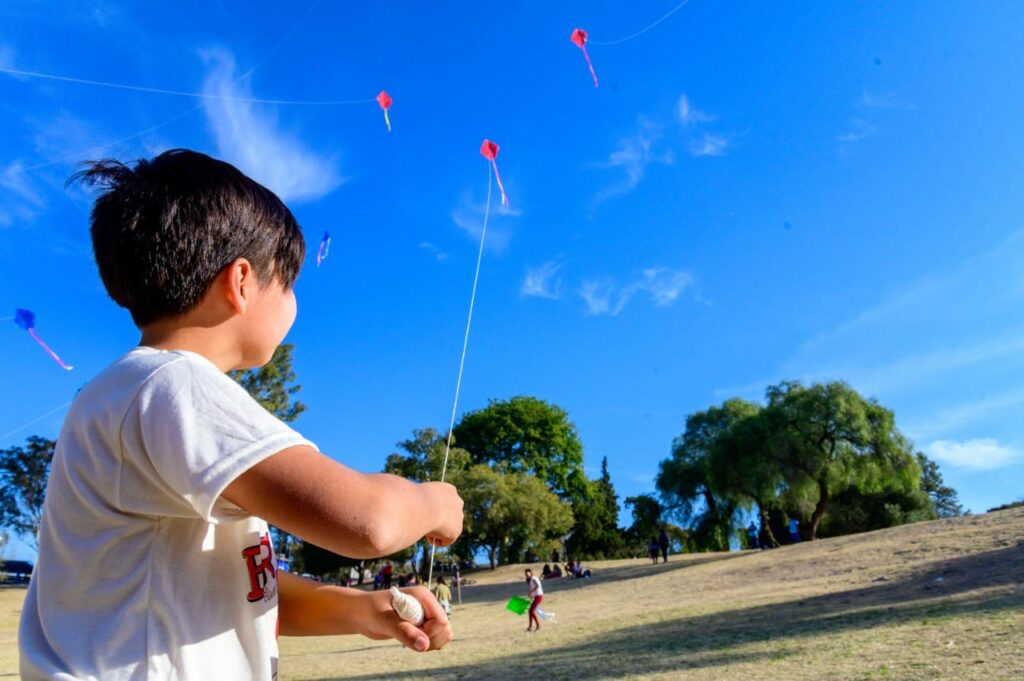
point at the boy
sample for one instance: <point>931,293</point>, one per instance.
<point>155,560</point>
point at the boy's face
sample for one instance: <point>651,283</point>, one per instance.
<point>269,315</point>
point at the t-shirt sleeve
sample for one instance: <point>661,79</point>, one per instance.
<point>190,432</point>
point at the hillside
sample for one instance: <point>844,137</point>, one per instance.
<point>937,600</point>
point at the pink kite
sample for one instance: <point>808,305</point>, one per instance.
<point>579,36</point>
<point>384,99</point>
<point>490,151</point>
<point>26,319</point>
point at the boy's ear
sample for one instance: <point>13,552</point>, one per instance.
<point>239,284</point>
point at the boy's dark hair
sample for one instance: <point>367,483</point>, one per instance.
<point>163,230</point>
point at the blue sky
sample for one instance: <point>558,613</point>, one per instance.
<point>754,193</point>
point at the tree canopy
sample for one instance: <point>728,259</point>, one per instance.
<point>23,475</point>
<point>273,384</point>
<point>822,454</point>
<point>526,434</point>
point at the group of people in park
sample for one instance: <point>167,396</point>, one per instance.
<point>572,569</point>
<point>756,540</point>
<point>658,546</point>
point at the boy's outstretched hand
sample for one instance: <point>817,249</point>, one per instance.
<point>382,622</point>
<point>447,506</point>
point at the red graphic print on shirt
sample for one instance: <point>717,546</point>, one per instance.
<point>259,560</point>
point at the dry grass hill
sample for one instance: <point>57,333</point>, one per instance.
<point>938,600</point>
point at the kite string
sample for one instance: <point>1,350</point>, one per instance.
<point>34,421</point>
<point>642,30</point>
<point>188,111</point>
<point>182,93</point>
<point>462,360</point>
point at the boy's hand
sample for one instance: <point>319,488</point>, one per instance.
<point>447,505</point>
<point>382,622</point>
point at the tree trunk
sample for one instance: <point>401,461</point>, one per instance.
<point>767,526</point>
<point>490,556</point>
<point>819,510</point>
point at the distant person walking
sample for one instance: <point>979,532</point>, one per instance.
<point>536,594</point>
<point>652,550</point>
<point>794,531</point>
<point>753,536</point>
<point>663,545</point>
<point>443,595</point>
<point>385,574</point>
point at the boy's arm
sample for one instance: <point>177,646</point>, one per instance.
<point>358,515</point>
<point>311,609</point>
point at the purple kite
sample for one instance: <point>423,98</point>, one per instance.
<point>27,320</point>
<point>325,247</point>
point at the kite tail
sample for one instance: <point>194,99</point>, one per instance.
<point>387,120</point>
<point>50,352</point>
<point>501,187</point>
<point>321,254</point>
<point>592,73</point>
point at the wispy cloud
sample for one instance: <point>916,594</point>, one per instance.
<point>859,130</point>
<point>632,156</point>
<point>6,56</point>
<point>22,199</point>
<point>663,286</point>
<point>945,351</point>
<point>468,215</point>
<point>543,281</point>
<point>884,100</point>
<point>982,454</point>
<point>434,251</point>
<point>251,139</point>
<point>689,114</point>
<point>710,145</point>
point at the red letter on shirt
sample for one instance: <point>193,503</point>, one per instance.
<point>259,563</point>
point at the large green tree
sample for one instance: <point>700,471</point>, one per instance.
<point>510,513</point>
<point>526,434</point>
<point>23,476</point>
<point>273,386</point>
<point>595,534</point>
<point>945,498</point>
<point>685,480</point>
<point>829,438</point>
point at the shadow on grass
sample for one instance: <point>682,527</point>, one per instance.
<point>943,589</point>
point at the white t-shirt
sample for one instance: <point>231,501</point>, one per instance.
<point>144,572</point>
<point>535,589</point>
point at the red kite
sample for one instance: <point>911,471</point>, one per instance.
<point>579,36</point>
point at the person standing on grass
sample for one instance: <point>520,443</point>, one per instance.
<point>752,536</point>
<point>443,595</point>
<point>663,545</point>
<point>652,550</point>
<point>536,594</point>
<point>794,531</point>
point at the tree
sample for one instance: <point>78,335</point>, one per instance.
<point>685,478</point>
<point>424,461</point>
<point>508,513</point>
<point>945,498</point>
<point>595,534</point>
<point>23,475</point>
<point>273,386</point>
<point>424,457</point>
<point>526,434</point>
<point>742,466</point>
<point>831,438</point>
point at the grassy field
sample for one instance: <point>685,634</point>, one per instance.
<point>939,600</point>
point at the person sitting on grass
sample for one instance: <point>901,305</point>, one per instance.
<point>155,556</point>
<point>546,572</point>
